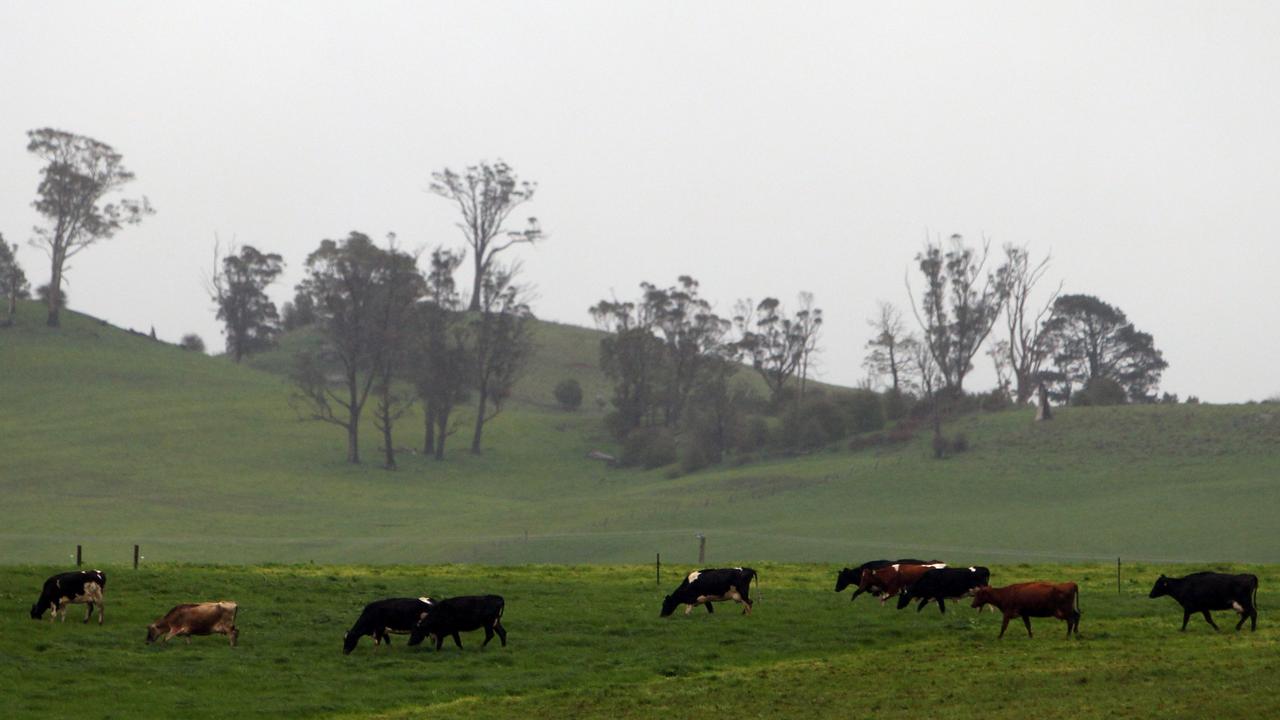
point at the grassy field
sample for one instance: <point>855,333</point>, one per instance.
<point>109,439</point>
<point>586,641</point>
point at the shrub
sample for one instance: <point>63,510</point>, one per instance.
<point>816,422</point>
<point>569,394</point>
<point>649,448</point>
<point>862,442</point>
<point>192,342</point>
<point>995,401</point>
<point>959,443</point>
<point>864,411</point>
<point>1193,400</point>
<point>940,445</point>
<point>750,434</point>
<point>895,404</point>
<point>1099,392</point>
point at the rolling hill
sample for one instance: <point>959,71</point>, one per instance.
<point>108,439</point>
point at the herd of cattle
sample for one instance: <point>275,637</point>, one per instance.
<point>908,579</point>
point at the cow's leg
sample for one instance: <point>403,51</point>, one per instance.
<point>1186,618</point>
<point>707,605</point>
<point>439,641</point>
<point>942,606</point>
<point>1209,619</point>
<point>1004,626</point>
<point>101,607</point>
<point>855,595</point>
<point>1027,621</point>
<point>746,601</point>
<point>88,611</point>
<point>457,641</point>
<point>502,632</point>
<point>488,635</point>
<point>234,635</point>
<point>1253,618</point>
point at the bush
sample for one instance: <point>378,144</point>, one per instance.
<point>1100,392</point>
<point>815,423</point>
<point>895,404</point>
<point>940,446</point>
<point>192,342</point>
<point>1193,400</point>
<point>750,434</point>
<point>959,443</point>
<point>864,411</point>
<point>649,448</point>
<point>569,394</point>
<point>995,401</point>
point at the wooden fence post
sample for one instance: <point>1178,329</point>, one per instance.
<point>135,557</point>
<point>702,548</point>
<point>79,556</point>
<point>658,569</point>
<point>1117,576</point>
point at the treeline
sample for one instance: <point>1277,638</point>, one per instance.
<point>672,361</point>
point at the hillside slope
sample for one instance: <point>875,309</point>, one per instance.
<point>107,439</point>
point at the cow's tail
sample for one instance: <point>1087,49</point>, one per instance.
<point>755,577</point>
<point>1255,594</point>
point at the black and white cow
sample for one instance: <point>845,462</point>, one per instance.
<point>943,584</point>
<point>703,587</point>
<point>853,576</point>
<point>380,618</point>
<point>1204,591</point>
<point>448,617</point>
<point>78,587</point>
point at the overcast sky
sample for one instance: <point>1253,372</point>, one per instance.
<point>764,148</point>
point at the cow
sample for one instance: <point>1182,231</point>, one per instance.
<point>1033,599</point>
<point>380,618</point>
<point>852,576</point>
<point>207,618</point>
<point>892,579</point>
<point>78,587</point>
<point>1204,591</point>
<point>942,584</point>
<point>464,613</point>
<point>703,587</point>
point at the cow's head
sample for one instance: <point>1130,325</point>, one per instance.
<point>1161,587</point>
<point>847,577</point>
<point>669,605</point>
<point>981,596</point>
<point>37,611</point>
<point>153,632</point>
<point>349,642</point>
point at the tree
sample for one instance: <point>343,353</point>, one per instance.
<point>1093,340</point>
<point>192,342</point>
<point>13,281</point>
<point>502,342</point>
<point>344,281</point>
<point>776,345</point>
<point>486,195</point>
<point>300,312</point>
<point>886,355</point>
<point>239,290</point>
<point>1026,348</point>
<point>693,337</point>
<point>79,175</point>
<point>633,356</point>
<point>959,307</point>
<point>46,295</point>
<point>400,289</point>
<point>440,362</point>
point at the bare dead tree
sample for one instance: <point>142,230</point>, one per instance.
<point>1028,344</point>
<point>886,355</point>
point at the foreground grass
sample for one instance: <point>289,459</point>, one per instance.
<point>587,642</point>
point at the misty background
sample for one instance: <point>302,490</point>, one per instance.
<point>764,148</point>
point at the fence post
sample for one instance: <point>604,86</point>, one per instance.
<point>658,569</point>
<point>135,556</point>
<point>79,556</point>
<point>1117,576</point>
<point>702,548</point>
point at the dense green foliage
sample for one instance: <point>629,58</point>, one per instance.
<point>587,642</point>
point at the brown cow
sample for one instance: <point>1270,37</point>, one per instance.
<point>1033,599</point>
<point>196,619</point>
<point>892,579</point>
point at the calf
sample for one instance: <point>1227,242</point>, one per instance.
<point>852,576</point>
<point>703,587</point>
<point>1204,591</point>
<point>462,614</point>
<point>942,584</point>
<point>889,581</point>
<point>78,587</point>
<point>189,619</point>
<point>1033,599</point>
<point>383,617</point>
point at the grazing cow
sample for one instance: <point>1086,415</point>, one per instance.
<point>942,584</point>
<point>852,576</point>
<point>1033,599</point>
<point>1204,591</point>
<point>892,579</point>
<point>703,587</point>
<point>380,618</point>
<point>78,587</point>
<point>462,614</point>
<point>208,618</point>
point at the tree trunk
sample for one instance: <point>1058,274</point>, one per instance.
<point>55,289</point>
<point>13,306</point>
<point>442,420</point>
<point>389,458</point>
<point>353,441</point>
<point>1043,412</point>
<point>475,287</point>
<point>429,438</point>
<point>475,438</point>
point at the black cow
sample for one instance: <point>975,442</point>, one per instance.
<point>462,614</point>
<point>80,586</point>
<point>942,584</point>
<point>853,576</point>
<point>702,587</point>
<point>1204,591</point>
<point>383,617</point>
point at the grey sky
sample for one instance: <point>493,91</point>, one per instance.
<point>764,148</point>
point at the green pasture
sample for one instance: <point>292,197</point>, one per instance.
<point>586,641</point>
